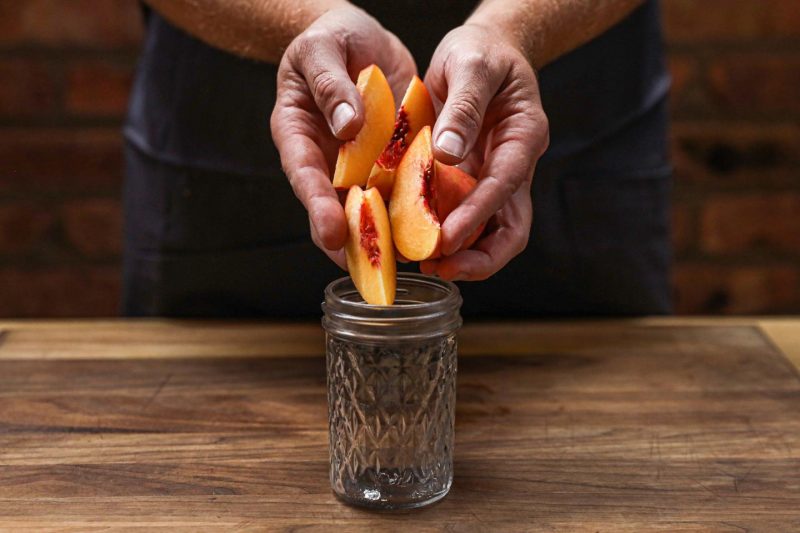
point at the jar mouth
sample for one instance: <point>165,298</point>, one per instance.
<point>425,306</point>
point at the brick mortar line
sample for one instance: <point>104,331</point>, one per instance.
<point>684,192</point>
<point>702,193</point>
<point>702,114</point>
<point>36,265</point>
<point>688,115</point>
<point>61,120</point>
<point>787,47</point>
<point>129,55</point>
<point>58,194</point>
<point>696,255</point>
<point>782,45</point>
<point>55,200</point>
<point>690,258</point>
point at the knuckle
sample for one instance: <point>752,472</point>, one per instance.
<point>314,235</point>
<point>301,48</point>
<point>273,120</point>
<point>298,179</point>
<point>465,111</point>
<point>542,127</point>
<point>474,62</point>
<point>545,144</point>
<point>520,243</point>
<point>307,42</point>
<point>316,196</point>
<point>543,122</point>
<point>505,187</point>
<point>347,38</point>
<point>324,85</point>
<point>473,210</point>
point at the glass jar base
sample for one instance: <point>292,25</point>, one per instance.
<point>393,500</point>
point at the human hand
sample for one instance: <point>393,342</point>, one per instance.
<point>492,122</point>
<point>318,107</point>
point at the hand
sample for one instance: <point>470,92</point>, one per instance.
<point>318,107</point>
<point>492,122</point>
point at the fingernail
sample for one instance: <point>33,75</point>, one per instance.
<point>451,142</point>
<point>342,116</point>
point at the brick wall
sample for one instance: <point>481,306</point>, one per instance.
<point>65,68</point>
<point>736,145</point>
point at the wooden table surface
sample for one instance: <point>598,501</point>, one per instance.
<point>670,424</point>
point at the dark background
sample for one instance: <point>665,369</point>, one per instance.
<point>65,70</point>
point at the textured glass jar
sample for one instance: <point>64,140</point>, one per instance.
<point>391,392</point>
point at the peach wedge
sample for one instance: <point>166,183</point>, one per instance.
<point>369,249</point>
<point>412,208</point>
<point>357,155</point>
<point>425,192</point>
<point>451,186</point>
<point>416,111</point>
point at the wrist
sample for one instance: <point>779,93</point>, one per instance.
<point>509,26</point>
<point>307,13</point>
<point>506,32</point>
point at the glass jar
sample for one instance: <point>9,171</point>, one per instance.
<point>391,392</point>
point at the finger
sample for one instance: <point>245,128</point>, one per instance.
<point>337,256</point>
<point>307,171</point>
<point>471,84</point>
<point>429,266</point>
<point>484,260</point>
<point>513,152</point>
<point>488,196</point>
<point>494,251</point>
<point>321,61</point>
<point>315,191</point>
<point>473,161</point>
<point>401,67</point>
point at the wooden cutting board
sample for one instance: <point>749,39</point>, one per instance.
<point>686,425</point>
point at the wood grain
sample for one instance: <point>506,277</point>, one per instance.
<point>618,426</point>
<point>159,339</point>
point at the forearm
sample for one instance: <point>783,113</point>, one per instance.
<point>257,29</point>
<point>547,29</point>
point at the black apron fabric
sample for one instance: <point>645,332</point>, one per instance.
<point>212,228</point>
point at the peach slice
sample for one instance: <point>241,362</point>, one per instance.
<point>452,185</point>
<point>369,249</point>
<point>357,155</point>
<point>425,192</point>
<point>412,209</point>
<point>416,111</point>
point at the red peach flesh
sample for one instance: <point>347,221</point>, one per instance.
<point>397,146</point>
<point>369,235</point>
<point>428,193</point>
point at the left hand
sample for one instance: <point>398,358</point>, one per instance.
<point>492,121</point>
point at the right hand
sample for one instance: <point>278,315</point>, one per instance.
<point>318,107</point>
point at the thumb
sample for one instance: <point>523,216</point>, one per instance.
<point>459,124</point>
<point>323,66</point>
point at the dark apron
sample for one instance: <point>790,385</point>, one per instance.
<point>213,229</point>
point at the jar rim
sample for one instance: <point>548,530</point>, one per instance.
<point>346,314</point>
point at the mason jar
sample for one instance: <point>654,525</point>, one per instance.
<point>391,392</point>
